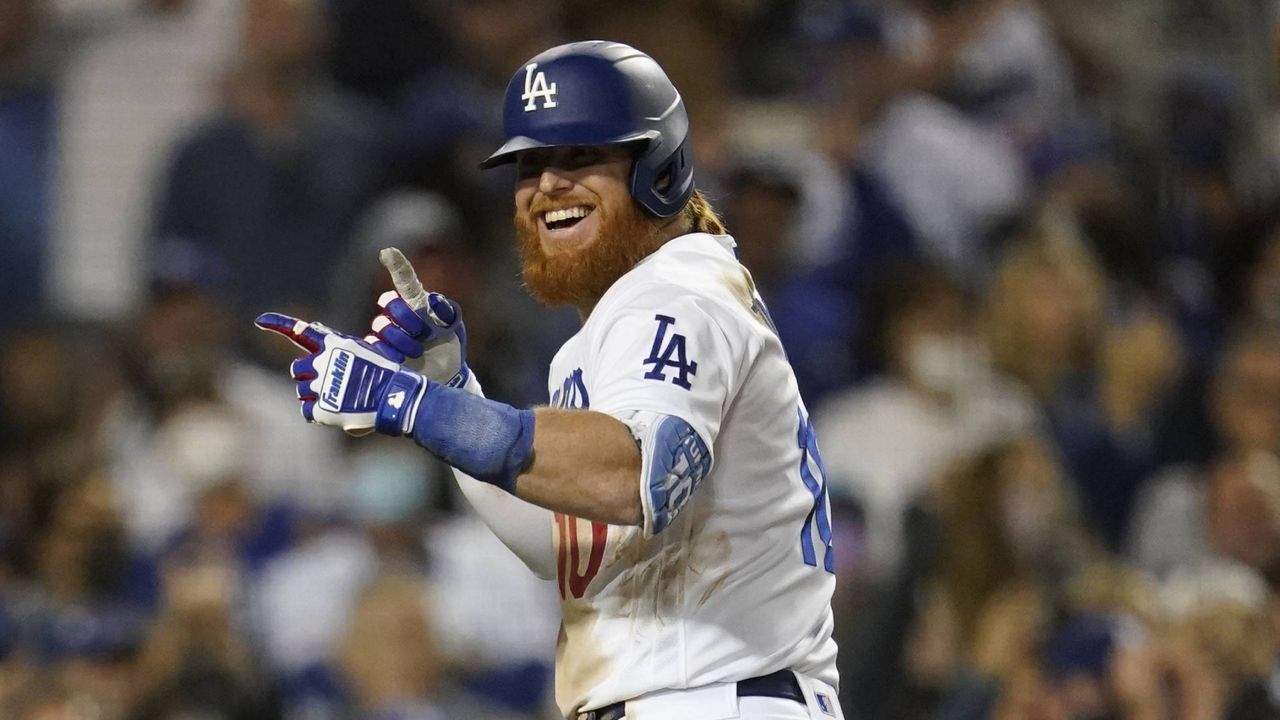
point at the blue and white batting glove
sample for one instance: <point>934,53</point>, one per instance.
<point>431,341</point>
<point>346,383</point>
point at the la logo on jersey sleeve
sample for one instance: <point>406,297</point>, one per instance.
<point>535,86</point>
<point>670,353</point>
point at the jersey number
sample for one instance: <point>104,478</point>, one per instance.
<point>820,514</point>
<point>572,579</point>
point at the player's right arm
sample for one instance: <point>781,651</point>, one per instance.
<point>662,370</point>
<point>585,464</point>
<point>579,462</point>
<point>637,459</point>
<point>595,480</point>
<point>523,527</point>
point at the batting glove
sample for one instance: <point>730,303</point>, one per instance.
<point>431,340</point>
<point>344,382</point>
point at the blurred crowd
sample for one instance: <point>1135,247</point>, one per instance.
<point>1023,254</point>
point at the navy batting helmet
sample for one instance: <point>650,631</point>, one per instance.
<point>603,93</point>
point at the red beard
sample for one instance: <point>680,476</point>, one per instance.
<point>581,277</point>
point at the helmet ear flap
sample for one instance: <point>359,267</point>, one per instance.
<point>663,189</point>
<point>663,182</point>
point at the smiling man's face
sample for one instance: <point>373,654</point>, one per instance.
<point>578,227</point>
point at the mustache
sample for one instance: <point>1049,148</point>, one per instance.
<point>540,207</point>
<point>624,237</point>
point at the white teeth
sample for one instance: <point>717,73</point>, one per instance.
<point>553,216</point>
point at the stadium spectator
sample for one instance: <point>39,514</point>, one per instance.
<point>388,654</point>
<point>1220,643</point>
<point>1205,213</point>
<point>1047,625</point>
<point>286,162</point>
<point>303,598</point>
<point>1007,545</point>
<point>173,428</point>
<point>43,448</point>
<point>1012,527</point>
<point>814,235</point>
<point>1242,513</point>
<point>78,627</point>
<point>27,130</point>
<point>936,399</point>
<point>392,662</point>
<point>61,94</point>
<point>113,132</point>
<point>924,150</point>
<point>1000,63</point>
<point>1100,386</point>
<point>196,659</point>
<point>932,94</point>
<point>1171,529</point>
<point>204,447</point>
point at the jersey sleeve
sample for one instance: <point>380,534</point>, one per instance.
<point>523,527</point>
<point>669,366</point>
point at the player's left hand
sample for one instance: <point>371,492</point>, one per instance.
<point>431,341</point>
<point>422,330</point>
<point>344,382</point>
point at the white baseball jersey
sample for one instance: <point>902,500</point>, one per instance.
<point>728,579</point>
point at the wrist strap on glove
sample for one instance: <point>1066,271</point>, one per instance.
<point>395,412</point>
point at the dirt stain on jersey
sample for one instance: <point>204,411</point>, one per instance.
<point>669,593</point>
<point>702,559</point>
<point>629,548</point>
<point>743,288</point>
<point>711,558</point>
<point>709,552</point>
<point>652,587</point>
<point>581,664</point>
<point>631,561</point>
<point>650,577</point>
<point>655,573</point>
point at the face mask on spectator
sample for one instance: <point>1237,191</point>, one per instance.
<point>944,363</point>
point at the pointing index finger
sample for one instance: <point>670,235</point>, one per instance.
<point>303,334</point>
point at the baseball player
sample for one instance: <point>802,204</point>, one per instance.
<point>673,488</point>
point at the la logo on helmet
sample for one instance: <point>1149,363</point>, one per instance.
<point>535,86</point>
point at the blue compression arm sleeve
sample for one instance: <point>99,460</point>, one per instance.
<point>486,439</point>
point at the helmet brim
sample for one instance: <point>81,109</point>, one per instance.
<point>507,153</point>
